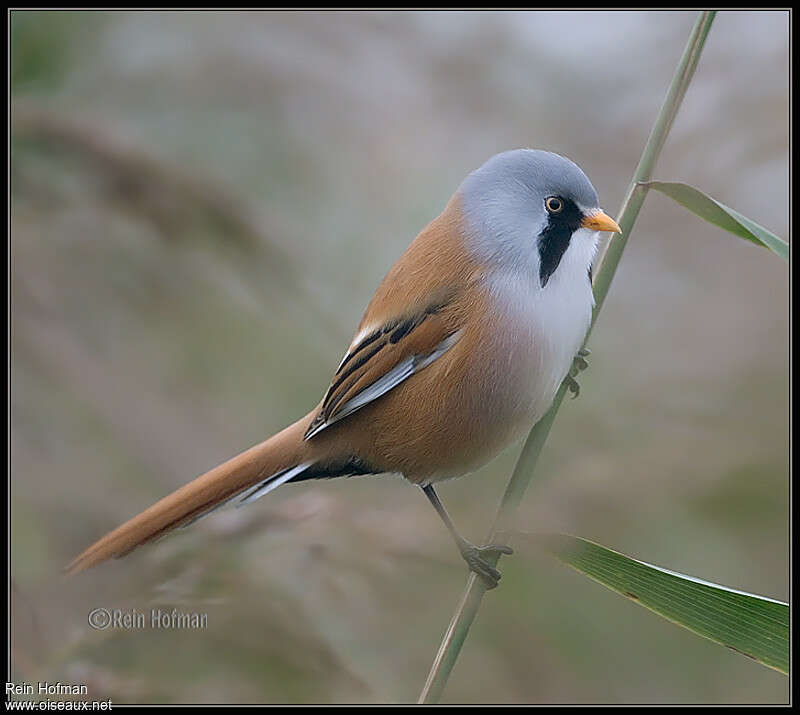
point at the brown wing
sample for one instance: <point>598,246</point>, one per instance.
<point>383,359</point>
<point>415,316</point>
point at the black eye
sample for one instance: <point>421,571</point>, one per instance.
<point>554,204</point>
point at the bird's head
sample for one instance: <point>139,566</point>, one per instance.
<point>523,208</point>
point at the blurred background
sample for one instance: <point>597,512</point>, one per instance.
<point>202,205</point>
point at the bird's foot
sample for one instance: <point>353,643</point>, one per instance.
<point>579,364</point>
<point>476,558</point>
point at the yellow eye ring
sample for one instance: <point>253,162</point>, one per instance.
<point>554,205</point>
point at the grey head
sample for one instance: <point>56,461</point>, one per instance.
<point>523,207</point>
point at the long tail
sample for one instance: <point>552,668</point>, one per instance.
<point>256,471</point>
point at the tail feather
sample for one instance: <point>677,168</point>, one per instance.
<point>280,458</point>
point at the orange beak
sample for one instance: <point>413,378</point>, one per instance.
<point>599,221</point>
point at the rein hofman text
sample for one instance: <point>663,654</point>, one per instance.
<point>157,619</point>
<point>46,688</point>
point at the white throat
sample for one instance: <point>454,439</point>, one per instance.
<point>563,308</point>
<point>545,326</point>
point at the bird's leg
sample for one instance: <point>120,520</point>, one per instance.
<point>579,364</point>
<point>478,558</point>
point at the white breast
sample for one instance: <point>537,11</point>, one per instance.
<point>539,331</point>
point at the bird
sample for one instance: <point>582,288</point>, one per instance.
<point>459,353</point>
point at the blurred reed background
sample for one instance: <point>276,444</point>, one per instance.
<point>202,205</point>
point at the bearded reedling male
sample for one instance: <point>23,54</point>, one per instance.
<point>459,353</point>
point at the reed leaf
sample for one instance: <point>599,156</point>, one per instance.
<point>720,215</point>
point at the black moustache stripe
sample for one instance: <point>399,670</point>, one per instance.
<point>554,240</point>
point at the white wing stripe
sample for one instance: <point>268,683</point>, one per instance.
<point>402,371</point>
<point>273,482</point>
<point>363,333</point>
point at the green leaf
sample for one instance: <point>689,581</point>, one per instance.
<point>754,626</point>
<point>720,215</point>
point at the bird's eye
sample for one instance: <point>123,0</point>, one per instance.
<point>554,205</point>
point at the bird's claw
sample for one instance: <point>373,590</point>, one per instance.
<point>475,556</point>
<point>579,364</point>
<point>572,386</point>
